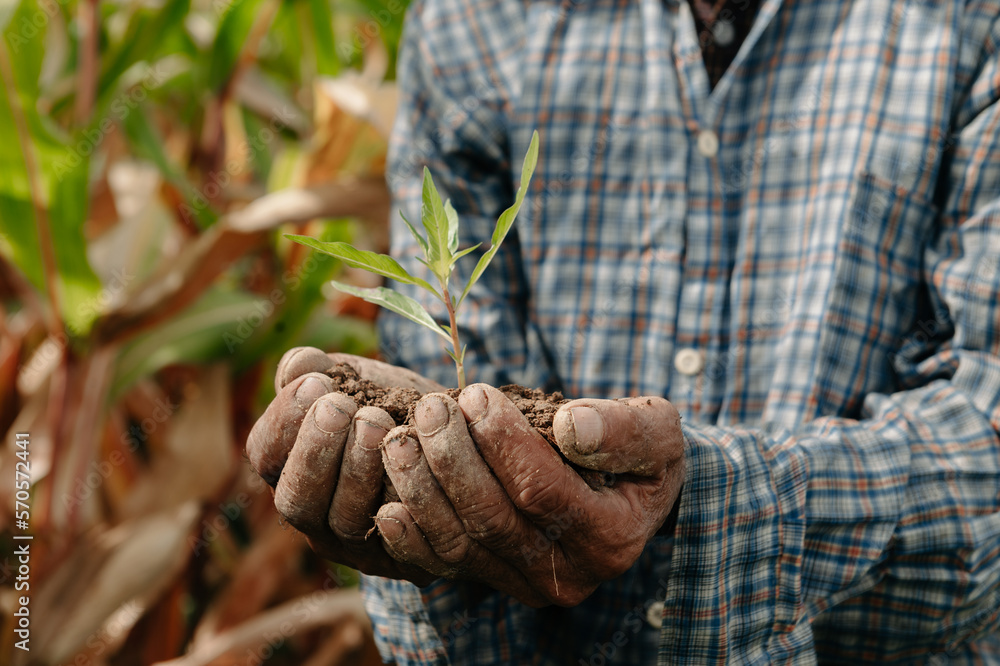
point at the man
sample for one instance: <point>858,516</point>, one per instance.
<point>783,220</point>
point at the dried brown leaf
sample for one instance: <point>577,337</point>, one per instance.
<point>345,197</point>
<point>318,609</point>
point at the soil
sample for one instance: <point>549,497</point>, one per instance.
<point>538,406</point>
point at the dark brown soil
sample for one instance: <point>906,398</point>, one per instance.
<point>539,407</point>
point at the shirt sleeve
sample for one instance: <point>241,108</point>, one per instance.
<point>452,119</point>
<point>874,540</point>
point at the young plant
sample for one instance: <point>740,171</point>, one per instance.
<point>441,253</point>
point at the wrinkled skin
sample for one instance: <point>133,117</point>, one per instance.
<point>483,496</point>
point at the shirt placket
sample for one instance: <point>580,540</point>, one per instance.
<point>710,236</point>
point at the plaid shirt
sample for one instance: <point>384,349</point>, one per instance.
<point>805,260</point>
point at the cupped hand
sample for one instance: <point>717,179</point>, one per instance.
<point>484,497</point>
<point>321,454</point>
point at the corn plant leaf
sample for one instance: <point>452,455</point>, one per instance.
<point>233,34</point>
<point>62,172</point>
<point>321,30</point>
<point>395,301</point>
<point>381,264</point>
<point>437,223</point>
<point>506,220</point>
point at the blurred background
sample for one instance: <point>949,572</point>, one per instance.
<point>152,153</point>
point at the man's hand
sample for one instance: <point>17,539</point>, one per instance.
<point>322,456</point>
<point>484,497</point>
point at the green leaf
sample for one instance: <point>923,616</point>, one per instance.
<point>436,221</point>
<point>327,62</point>
<point>233,34</point>
<point>380,264</point>
<point>458,255</point>
<point>211,328</point>
<point>146,142</point>
<point>62,178</point>
<point>506,220</point>
<point>449,212</point>
<point>147,31</point>
<point>398,303</point>
<point>417,236</point>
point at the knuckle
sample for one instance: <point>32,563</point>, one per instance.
<point>616,561</point>
<point>487,524</point>
<point>453,549</point>
<point>293,512</point>
<point>351,530</point>
<point>541,496</point>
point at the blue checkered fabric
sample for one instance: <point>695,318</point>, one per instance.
<point>805,259</point>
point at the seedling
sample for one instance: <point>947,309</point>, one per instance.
<point>441,253</point>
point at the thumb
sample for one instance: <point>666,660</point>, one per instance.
<point>634,435</point>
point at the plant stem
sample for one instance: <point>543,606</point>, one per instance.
<point>455,346</point>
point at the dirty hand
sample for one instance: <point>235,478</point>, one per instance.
<point>321,455</point>
<point>484,497</point>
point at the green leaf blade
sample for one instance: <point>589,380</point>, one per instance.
<point>452,217</point>
<point>380,264</point>
<point>506,220</point>
<point>435,221</point>
<point>416,235</point>
<point>396,302</point>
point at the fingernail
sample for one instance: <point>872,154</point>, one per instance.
<point>329,418</point>
<point>588,428</point>
<point>309,391</point>
<point>391,529</point>
<point>368,435</point>
<point>431,415</point>
<point>476,404</point>
<point>402,452</point>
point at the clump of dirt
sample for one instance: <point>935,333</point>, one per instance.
<point>538,406</point>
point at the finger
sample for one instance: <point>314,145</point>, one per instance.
<point>385,374</point>
<point>359,487</point>
<point>479,500</point>
<point>297,362</point>
<point>305,489</point>
<point>441,528</point>
<point>532,473</point>
<point>636,436</point>
<point>404,539</point>
<point>423,497</point>
<point>275,432</point>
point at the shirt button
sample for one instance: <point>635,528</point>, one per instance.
<point>708,143</point>
<point>689,361</point>
<point>654,614</point>
<point>723,33</point>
